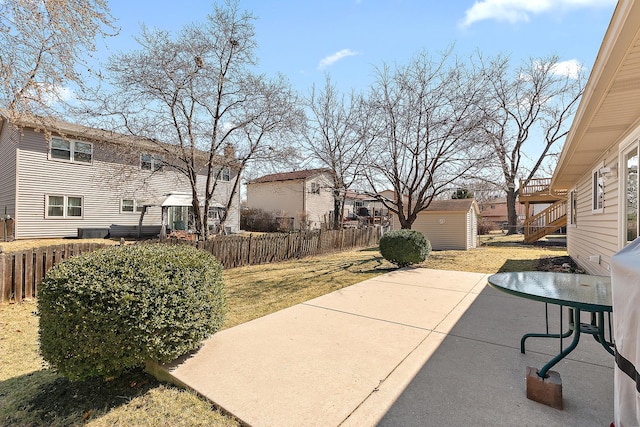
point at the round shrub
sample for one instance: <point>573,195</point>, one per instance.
<point>104,312</point>
<point>404,247</point>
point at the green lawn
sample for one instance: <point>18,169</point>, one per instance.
<point>33,395</point>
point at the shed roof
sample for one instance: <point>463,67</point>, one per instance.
<point>289,176</point>
<point>452,205</point>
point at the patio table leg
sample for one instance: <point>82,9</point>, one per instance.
<point>600,336</point>
<point>566,351</point>
<point>548,335</point>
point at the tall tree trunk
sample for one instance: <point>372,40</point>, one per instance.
<point>337,210</point>
<point>512,214</point>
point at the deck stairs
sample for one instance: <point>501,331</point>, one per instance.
<point>546,222</point>
<point>551,219</point>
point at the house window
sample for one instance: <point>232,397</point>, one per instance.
<point>215,213</point>
<point>630,181</point>
<point>63,206</point>
<point>151,162</point>
<point>315,188</point>
<point>573,208</point>
<point>597,185</point>
<point>130,206</point>
<point>225,174</point>
<point>71,151</point>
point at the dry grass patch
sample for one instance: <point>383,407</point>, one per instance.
<point>23,245</point>
<point>168,406</point>
<point>492,259</point>
<point>19,337</point>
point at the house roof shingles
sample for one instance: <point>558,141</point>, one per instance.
<point>289,176</point>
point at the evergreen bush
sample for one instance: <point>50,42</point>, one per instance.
<point>114,309</point>
<point>404,247</point>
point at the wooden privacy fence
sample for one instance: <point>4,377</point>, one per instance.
<point>21,272</point>
<point>237,251</point>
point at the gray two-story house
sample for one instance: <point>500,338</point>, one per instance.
<point>62,177</point>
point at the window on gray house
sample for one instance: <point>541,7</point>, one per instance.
<point>225,174</point>
<point>71,151</point>
<point>151,162</point>
<point>63,206</point>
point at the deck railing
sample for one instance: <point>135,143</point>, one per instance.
<point>539,186</point>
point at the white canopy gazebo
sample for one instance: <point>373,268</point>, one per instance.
<point>170,200</point>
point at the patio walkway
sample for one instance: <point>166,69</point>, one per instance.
<point>415,347</point>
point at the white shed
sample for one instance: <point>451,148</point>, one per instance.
<point>448,224</point>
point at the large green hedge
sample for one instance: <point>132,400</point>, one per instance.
<point>404,247</point>
<point>107,311</point>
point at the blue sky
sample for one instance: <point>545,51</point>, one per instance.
<point>304,40</point>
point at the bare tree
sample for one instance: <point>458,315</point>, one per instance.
<point>533,102</point>
<point>428,116</point>
<point>197,93</point>
<point>334,137</point>
<point>42,44</point>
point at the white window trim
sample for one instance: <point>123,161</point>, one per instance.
<point>65,206</point>
<point>594,172</point>
<point>136,207</point>
<point>72,147</point>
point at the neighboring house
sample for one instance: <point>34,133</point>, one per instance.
<point>448,224</point>
<point>302,199</point>
<point>73,177</point>
<point>364,207</point>
<point>495,210</point>
<point>598,165</point>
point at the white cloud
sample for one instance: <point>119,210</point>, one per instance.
<point>513,11</point>
<point>331,59</point>
<point>570,68</point>
<point>51,95</point>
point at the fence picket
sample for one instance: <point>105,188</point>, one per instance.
<point>29,285</point>
<point>5,280</point>
<point>18,276</point>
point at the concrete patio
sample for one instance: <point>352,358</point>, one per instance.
<point>415,347</point>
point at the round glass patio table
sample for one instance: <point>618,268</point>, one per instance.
<point>578,292</point>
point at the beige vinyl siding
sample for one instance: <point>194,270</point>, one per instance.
<point>8,153</point>
<point>595,234</point>
<point>453,234</point>
<point>291,198</point>
<point>282,198</point>
<point>320,204</point>
<point>113,175</point>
